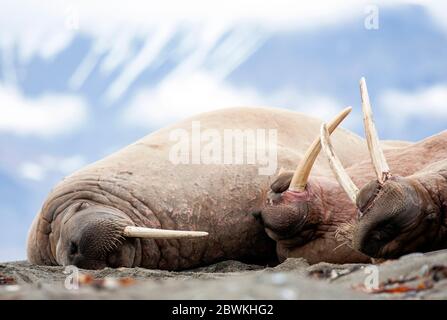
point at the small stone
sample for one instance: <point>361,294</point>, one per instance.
<point>12,288</point>
<point>279,278</point>
<point>110,283</point>
<point>288,294</point>
<point>412,256</point>
<point>124,282</point>
<point>231,288</point>
<point>424,270</point>
<point>334,274</point>
<point>86,278</point>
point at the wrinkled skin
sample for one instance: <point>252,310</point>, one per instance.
<point>304,224</point>
<point>82,219</point>
<point>404,215</point>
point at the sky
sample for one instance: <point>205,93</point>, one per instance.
<point>81,79</point>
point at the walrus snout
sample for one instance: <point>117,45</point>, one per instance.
<point>98,236</point>
<point>93,239</point>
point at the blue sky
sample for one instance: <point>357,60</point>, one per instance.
<point>79,80</point>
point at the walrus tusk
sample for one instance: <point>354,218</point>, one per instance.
<point>151,233</point>
<point>340,173</point>
<point>302,172</point>
<point>375,151</point>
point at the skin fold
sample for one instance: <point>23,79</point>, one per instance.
<point>82,219</point>
<point>404,215</point>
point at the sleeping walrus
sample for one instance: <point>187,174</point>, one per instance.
<point>403,208</point>
<point>99,215</point>
<point>400,208</point>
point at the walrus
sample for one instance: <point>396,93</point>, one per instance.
<point>327,219</point>
<point>403,208</point>
<point>97,216</point>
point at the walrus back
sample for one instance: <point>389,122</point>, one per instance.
<point>142,181</point>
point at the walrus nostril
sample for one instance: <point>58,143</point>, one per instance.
<point>285,220</point>
<point>73,248</point>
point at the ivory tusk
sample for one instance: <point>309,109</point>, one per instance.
<point>152,233</point>
<point>302,172</point>
<point>377,157</point>
<point>340,173</point>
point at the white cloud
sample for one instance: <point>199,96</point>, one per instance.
<point>32,171</point>
<point>438,10</point>
<point>44,28</point>
<point>180,96</point>
<point>112,16</point>
<point>45,165</point>
<point>43,116</point>
<point>427,102</point>
<point>312,104</point>
<point>99,17</point>
<point>401,107</point>
<point>144,58</point>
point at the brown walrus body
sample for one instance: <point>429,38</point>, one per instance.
<point>337,215</point>
<point>400,207</point>
<point>141,185</point>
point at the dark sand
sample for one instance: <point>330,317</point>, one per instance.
<point>416,276</point>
